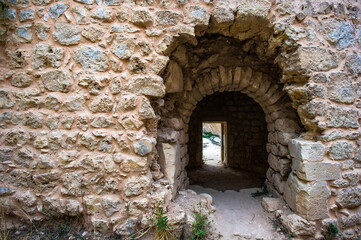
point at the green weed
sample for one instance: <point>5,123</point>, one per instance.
<point>201,225</point>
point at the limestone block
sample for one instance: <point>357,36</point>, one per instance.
<point>92,34</point>
<point>66,34</point>
<point>148,85</point>
<point>101,104</point>
<point>136,185</point>
<point>57,10</point>
<point>197,15</point>
<point>111,205</point>
<point>92,57</point>
<point>298,225</point>
<point>287,125</point>
<point>144,146</point>
<point>353,64</point>
<point>21,80</point>
<point>338,116</point>
<point>141,18</point>
<point>306,150</point>
<point>317,59</point>
<point>349,198</point>
<point>341,150</point>
<point>272,204</point>
<point>316,171</point>
<point>253,8</point>
<point>340,88</point>
<point>26,15</point>
<point>101,15</point>
<point>56,81</point>
<point>74,103</point>
<point>167,18</point>
<point>223,14</point>
<point>134,164</point>
<point>308,199</point>
<point>80,14</point>
<point>341,33</point>
<point>146,110</point>
<point>174,82</point>
<point>5,100</point>
<point>170,160</point>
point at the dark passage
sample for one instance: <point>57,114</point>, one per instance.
<point>245,163</point>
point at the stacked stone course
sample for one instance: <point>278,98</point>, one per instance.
<point>96,99</point>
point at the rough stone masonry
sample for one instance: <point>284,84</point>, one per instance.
<point>96,99</point>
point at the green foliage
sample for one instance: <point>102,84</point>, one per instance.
<point>201,225</point>
<point>212,137</point>
<point>333,231</point>
<point>258,193</point>
<point>162,229</point>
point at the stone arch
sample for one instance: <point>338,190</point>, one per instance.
<point>282,120</point>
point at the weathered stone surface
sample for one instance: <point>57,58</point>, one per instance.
<point>66,159</point>
<point>113,2</point>
<point>66,34</point>
<point>74,103</point>
<point>92,57</point>
<point>317,59</point>
<point>167,18</point>
<point>353,64</point>
<point>146,111</point>
<point>340,88</point>
<point>92,34</point>
<point>341,33</point>
<point>298,225</point>
<point>41,2</point>
<point>73,184</point>
<point>90,142</point>
<point>10,14</point>
<point>102,122</point>
<point>27,201</point>
<point>23,34</point>
<point>141,18</point>
<point>91,164</point>
<point>73,207</point>
<point>46,56</point>
<point>32,120</point>
<point>197,15</point>
<point>122,47</point>
<point>136,186</point>
<point>15,137</point>
<point>349,198</point>
<point>341,150</point>
<point>130,122</point>
<point>272,204</point>
<point>57,10</point>
<point>51,102</point>
<point>127,102</point>
<point>136,65</point>
<point>21,80</point>
<point>24,157</point>
<point>26,15</point>
<point>316,171</point>
<point>254,8</point>
<point>80,14</point>
<point>5,101</point>
<point>308,199</point>
<point>88,2</point>
<point>144,146</point>
<point>134,164</point>
<point>148,85</point>
<point>19,177</point>
<point>338,116</point>
<point>105,145</point>
<point>45,161</point>
<point>115,85</point>
<point>128,228</point>
<point>28,99</point>
<point>41,141</point>
<point>56,81</point>
<point>101,104</point>
<point>223,14</point>
<point>5,154</point>
<point>101,15</point>
<point>111,205</point>
<point>306,150</point>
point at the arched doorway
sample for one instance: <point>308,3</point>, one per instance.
<point>222,65</point>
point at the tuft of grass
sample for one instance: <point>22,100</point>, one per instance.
<point>201,225</point>
<point>4,232</point>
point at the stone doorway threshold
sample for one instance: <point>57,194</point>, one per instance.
<point>240,216</point>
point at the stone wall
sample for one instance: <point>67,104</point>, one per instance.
<point>96,97</point>
<point>246,130</point>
